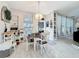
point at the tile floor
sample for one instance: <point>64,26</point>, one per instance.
<point>61,48</point>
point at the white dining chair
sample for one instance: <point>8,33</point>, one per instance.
<point>43,42</point>
<point>21,35</point>
<point>28,43</point>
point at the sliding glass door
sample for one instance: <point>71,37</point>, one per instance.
<point>69,26</point>
<point>64,26</point>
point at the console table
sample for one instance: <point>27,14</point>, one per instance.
<point>9,36</point>
<point>5,49</point>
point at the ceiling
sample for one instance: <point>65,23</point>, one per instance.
<point>70,8</point>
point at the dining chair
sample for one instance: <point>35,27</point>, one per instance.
<point>21,35</point>
<point>29,41</point>
<point>43,42</point>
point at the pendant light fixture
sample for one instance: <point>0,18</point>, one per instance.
<point>38,15</point>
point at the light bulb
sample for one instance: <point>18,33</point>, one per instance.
<point>38,16</point>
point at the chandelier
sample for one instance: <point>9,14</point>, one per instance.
<point>38,15</point>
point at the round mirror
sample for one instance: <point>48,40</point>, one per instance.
<point>2,13</point>
<point>5,14</point>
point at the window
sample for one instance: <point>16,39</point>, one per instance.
<point>63,24</point>
<point>28,25</point>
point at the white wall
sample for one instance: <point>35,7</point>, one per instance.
<point>19,15</point>
<point>2,26</point>
<point>50,30</point>
<point>35,25</point>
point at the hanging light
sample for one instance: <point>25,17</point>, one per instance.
<point>38,15</point>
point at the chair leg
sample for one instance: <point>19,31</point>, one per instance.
<point>35,46</point>
<point>41,49</point>
<point>27,47</point>
<point>14,47</point>
<point>45,49</point>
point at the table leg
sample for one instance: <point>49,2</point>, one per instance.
<point>35,45</point>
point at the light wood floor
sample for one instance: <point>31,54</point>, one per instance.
<point>61,48</point>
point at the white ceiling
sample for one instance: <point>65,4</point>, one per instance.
<point>70,8</point>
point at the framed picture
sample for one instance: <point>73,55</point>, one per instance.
<point>47,23</point>
<point>41,24</point>
<point>51,24</point>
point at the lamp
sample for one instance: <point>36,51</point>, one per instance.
<point>38,15</point>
